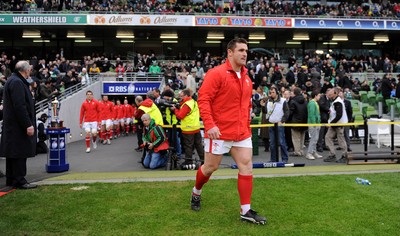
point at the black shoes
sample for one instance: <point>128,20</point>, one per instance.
<point>330,159</point>
<point>139,149</point>
<point>252,217</point>
<point>342,160</point>
<point>195,202</point>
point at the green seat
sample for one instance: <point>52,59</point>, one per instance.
<point>364,96</point>
<point>379,98</point>
<point>371,99</point>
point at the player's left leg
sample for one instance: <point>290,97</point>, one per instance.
<point>243,158</point>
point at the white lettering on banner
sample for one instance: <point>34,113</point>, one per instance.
<point>2,20</point>
<point>39,19</point>
<point>165,20</point>
<point>120,89</point>
<point>111,89</point>
<point>207,21</point>
<point>120,20</point>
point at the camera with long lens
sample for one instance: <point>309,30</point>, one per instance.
<point>167,103</point>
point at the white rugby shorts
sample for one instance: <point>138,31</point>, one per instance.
<point>219,147</point>
<point>90,127</point>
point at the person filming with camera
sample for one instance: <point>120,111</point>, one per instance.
<point>189,115</point>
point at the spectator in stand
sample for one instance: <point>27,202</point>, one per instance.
<point>69,80</point>
<point>154,68</point>
<point>47,91</point>
<point>385,89</point>
<point>290,76</point>
<point>120,72</point>
<point>5,71</point>
<point>106,65</point>
<point>84,78</point>
<point>200,71</point>
<point>94,69</point>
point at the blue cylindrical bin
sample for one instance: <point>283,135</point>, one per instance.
<point>56,158</point>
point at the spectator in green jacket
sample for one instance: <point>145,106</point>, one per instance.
<point>313,118</point>
<point>154,68</point>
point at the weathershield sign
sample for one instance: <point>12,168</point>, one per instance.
<point>42,19</point>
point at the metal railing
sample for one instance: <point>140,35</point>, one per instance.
<point>43,105</point>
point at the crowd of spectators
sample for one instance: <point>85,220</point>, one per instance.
<point>361,8</point>
<point>51,76</point>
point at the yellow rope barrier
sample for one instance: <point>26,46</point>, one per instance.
<point>309,125</point>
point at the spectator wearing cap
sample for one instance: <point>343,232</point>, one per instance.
<point>41,146</point>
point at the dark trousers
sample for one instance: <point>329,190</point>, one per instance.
<point>288,138</point>
<point>321,138</point>
<point>15,171</point>
<point>139,135</point>
<point>191,142</point>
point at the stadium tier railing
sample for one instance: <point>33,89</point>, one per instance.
<point>43,105</point>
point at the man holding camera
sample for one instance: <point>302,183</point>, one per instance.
<point>189,115</point>
<point>170,101</point>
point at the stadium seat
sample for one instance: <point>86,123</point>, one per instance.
<point>364,96</point>
<point>371,99</point>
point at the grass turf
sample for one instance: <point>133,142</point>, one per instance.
<point>302,205</point>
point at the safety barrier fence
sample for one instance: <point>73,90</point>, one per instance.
<point>355,156</point>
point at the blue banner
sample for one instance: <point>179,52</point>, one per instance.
<point>340,24</point>
<point>128,88</point>
<point>393,25</point>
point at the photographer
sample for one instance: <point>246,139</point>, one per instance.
<point>156,143</point>
<point>167,102</point>
<point>189,115</point>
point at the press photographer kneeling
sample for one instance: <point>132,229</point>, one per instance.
<point>155,142</point>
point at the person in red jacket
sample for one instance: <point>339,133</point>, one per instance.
<point>106,117</point>
<point>88,119</point>
<point>225,105</point>
<point>120,113</point>
<point>128,116</point>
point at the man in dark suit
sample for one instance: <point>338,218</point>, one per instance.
<point>18,126</point>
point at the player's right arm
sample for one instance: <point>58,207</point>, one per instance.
<point>207,94</point>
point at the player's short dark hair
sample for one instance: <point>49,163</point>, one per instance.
<point>314,93</point>
<point>233,42</point>
<point>89,91</point>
